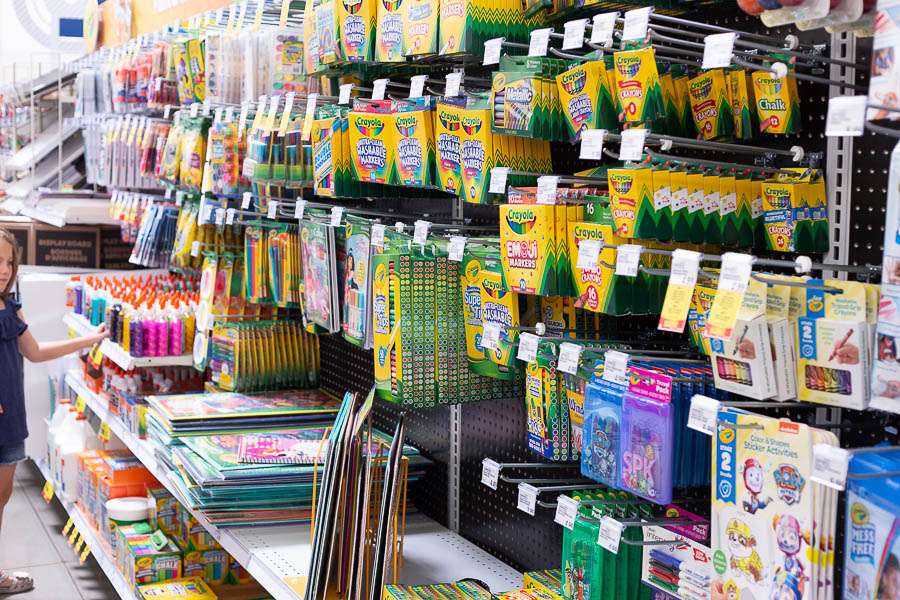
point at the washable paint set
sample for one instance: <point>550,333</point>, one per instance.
<point>772,525</point>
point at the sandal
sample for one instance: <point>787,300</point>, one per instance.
<point>21,582</point>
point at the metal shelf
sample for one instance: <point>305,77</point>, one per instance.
<point>45,143</point>
<point>117,354</point>
<point>92,538</point>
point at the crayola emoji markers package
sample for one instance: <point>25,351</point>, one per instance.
<point>486,299</point>
<point>371,141</point>
<point>414,143</point>
<point>476,152</point>
<point>448,146</point>
<point>356,29</point>
<point>631,202</point>
<point>420,27</point>
<point>710,105</point>
<point>777,106</point>
<point>638,92</point>
<point>599,289</point>
<point>389,30</point>
<point>528,248</point>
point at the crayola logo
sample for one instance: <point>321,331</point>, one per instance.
<point>472,270</point>
<point>582,233</point>
<point>859,514</point>
<point>815,305</point>
<point>492,286</point>
<point>352,6</point>
<point>628,66</point>
<point>450,121</point>
<point>573,81</point>
<point>701,89</point>
<point>407,126</point>
<point>777,198</point>
<point>726,435</point>
<point>621,183</point>
<point>471,125</point>
<point>369,127</point>
<point>521,221</point>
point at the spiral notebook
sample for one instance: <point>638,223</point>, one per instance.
<point>280,450</point>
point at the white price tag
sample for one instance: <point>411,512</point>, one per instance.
<point>573,37</point>
<point>628,259</point>
<point>456,248</point>
<point>830,465</point>
<point>703,414</point>
<point>168,193</point>
<point>603,27</point>
<point>229,216</point>
<point>242,120</point>
<point>528,347</point>
<point>273,210</point>
<point>588,254</point>
<point>220,216</point>
<point>546,189</point>
<point>569,355</point>
<point>245,202</point>
<point>527,498</point>
<point>735,273</point>
<point>417,86</point>
<point>299,209</point>
<point>566,511</point>
<point>592,143</point>
<point>378,87</point>
<point>632,145</point>
<point>492,50</point>
<point>540,39</point>
<point>490,473</point>
<point>615,367</point>
<point>636,22</point>
<point>498,180</point>
<point>420,234</point>
<point>490,335</point>
<point>206,107</point>
<point>718,49</point>
<point>179,198</point>
<point>378,234</point>
<point>219,112</point>
<point>610,534</point>
<point>195,109</point>
<point>195,249</point>
<point>207,212</point>
<point>344,93</point>
<point>337,214</point>
<point>685,264</point>
<point>452,88</point>
<point>846,115</point>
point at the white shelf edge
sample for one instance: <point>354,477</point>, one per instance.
<point>92,539</point>
<point>77,323</point>
<point>118,355</point>
<point>60,221</point>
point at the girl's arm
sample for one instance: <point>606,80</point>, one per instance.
<point>36,351</point>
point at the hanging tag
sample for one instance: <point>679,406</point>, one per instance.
<point>703,414</point>
<point>299,209</point>
<point>451,90</point>
<point>308,117</point>
<point>527,498</point>
<point>378,235</point>
<point>733,279</point>
<point>229,217</point>
<point>490,335</point>
<point>615,367</point>
<point>206,107</point>
<point>456,248</point>
<point>592,144</point>
<point>378,87</point>
<point>285,10</point>
<point>67,526</point>
<point>257,18</point>
<point>573,38</point>
<point>528,347</point>
<point>179,199</point>
<point>195,248</point>
<point>610,534</point>
<point>569,355</point>
<point>104,433</point>
<point>603,27</point>
<point>344,93</point>
<point>273,210</point>
<point>490,473</point>
<point>286,114</point>
<point>546,189</point>
<point>830,465</point>
<point>207,212</point>
<point>846,116</point>
<point>498,180</point>
<point>80,405</point>
<point>245,203</point>
<point>718,49</point>
<point>628,259</point>
<point>632,144</point>
<point>492,50</point>
<point>195,109</point>
<point>417,86</point>
<point>242,120</point>
<point>540,39</point>
<point>47,492</point>
<point>167,111</point>
<point>168,193</point>
<point>682,278</point>
<point>337,214</point>
<point>220,217</point>
<point>636,22</point>
<point>566,510</point>
<point>420,234</point>
<point>220,112</point>
<point>588,254</point>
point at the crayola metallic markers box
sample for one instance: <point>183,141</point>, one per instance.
<point>528,248</point>
<point>414,143</point>
<point>476,152</point>
<point>517,100</point>
<point>356,29</point>
<point>448,132</point>
<point>371,141</point>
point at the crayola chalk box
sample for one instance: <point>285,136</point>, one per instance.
<point>144,563</point>
<point>710,105</point>
<point>585,99</point>
<point>188,588</point>
<point>776,107</point>
<point>476,152</point>
<point>210,565</point>
<point>371,141</point>
<point>528,248</point>
<point>447,132</point>
<point>420,27</point>
<point>414,143</point>
<point>356,29</point>
<point>638,92</point>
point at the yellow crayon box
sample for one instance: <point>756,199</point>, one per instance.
<point>710,104</point>
<point>638,92</point>
<point>528,248</point>
<point>371,141</point>
<point>476,154</point>
<point>448,133</point>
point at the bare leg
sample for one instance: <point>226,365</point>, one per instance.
<point>6,487</point>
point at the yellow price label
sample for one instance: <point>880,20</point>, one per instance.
<point>285,9</point>
<point>72,536</point>
<point>80,405</point>
<point>84,554</point>
<point>257,19</point>
<point>47,492</point>
<point>96,356</point>
<point>104,433</point>
<point>79,544</point>
<point>675,308</point>
<point>723,313</point>
<point>67,527</point>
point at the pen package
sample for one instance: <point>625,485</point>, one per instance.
<point>602,426</point>
<point>646,459</point>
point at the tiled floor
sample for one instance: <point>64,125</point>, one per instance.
<point>31,541</point>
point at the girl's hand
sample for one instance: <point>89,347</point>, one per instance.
<point>100,333</point>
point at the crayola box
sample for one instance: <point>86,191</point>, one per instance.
<point>447,132</point>
<point>585,98</point>
<point>371,141</point>
<point>193,534</point>
<point>386,313</point>
<point>389,30</point>
<point>143,561</point>
<point>745,121</point>
<point>209,565</point>
<point>163,510</point>
<point>631,202</point>
<point>780,198</point>
<point>476,153</point>
<point>414,143</point>
<point>777,108</point>
<point>420,27</point>
<point>528,248</point>
<point>549,579</point>
<point>710,105</point>
<point>325,137</point>
<point>189,588</point>
<point>599,289</point>
<point>638,93</point>
<point>517,99</point>
<point>356,29</point>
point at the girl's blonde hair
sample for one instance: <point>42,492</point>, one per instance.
<point>6,236</point>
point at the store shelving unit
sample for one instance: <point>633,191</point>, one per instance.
<point>99,548</point>
<point>278,556</point>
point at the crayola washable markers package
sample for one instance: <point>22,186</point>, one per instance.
<point>447,134</point>
<point>586,99</point>
<point>631,202</point>
<point>638,92</point>
<point>777,106</point>
<point>420,27</point>
<point>476,152</point>
<point>832,339</point>
<point>710,105</point>
<point>414,143</point>
<point>389,30</point>
<point>528,248</point>
<point>371,141</point>
<point>356,29</point>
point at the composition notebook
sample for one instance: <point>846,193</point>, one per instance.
<point>280,450</point>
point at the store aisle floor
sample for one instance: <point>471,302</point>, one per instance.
<point>31,541</point>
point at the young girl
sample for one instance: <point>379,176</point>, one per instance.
<point>16,341</point>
